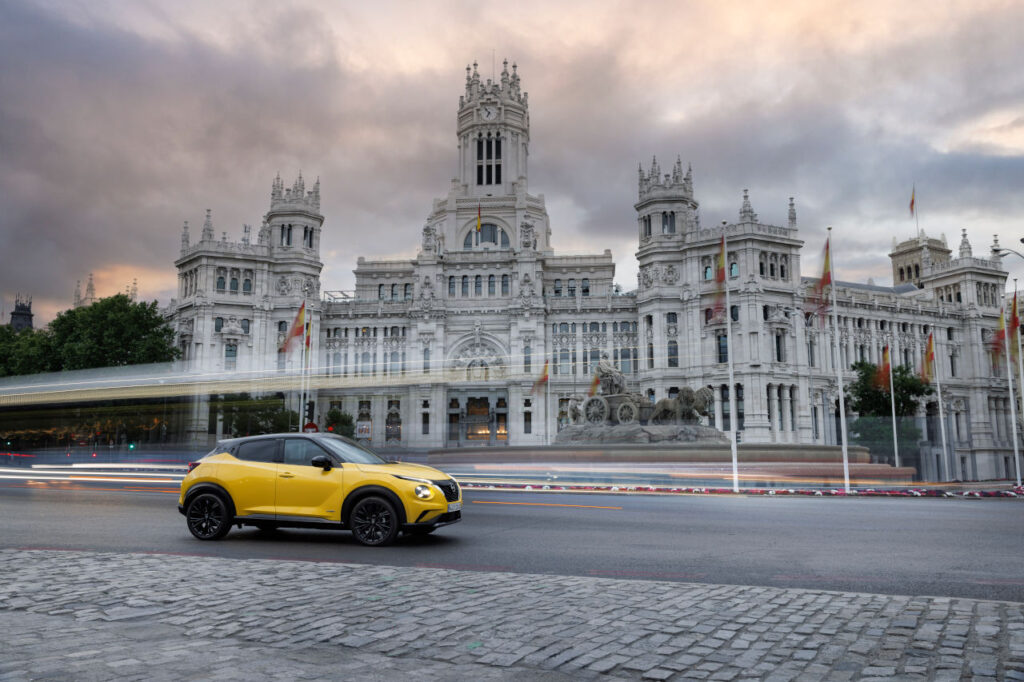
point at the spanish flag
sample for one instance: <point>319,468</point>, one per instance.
<point>478,216</point>
<point>542,380</point>
<point>297,329</point>
<point>719,306</point>
<point>594,385</point>
<point>882,375</point>
<point>1014,327</point>
<point>999,338</point>
<point>817,300</point>
<point>928,361</point>
<point>913,191</point>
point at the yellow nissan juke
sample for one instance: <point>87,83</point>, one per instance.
<point>314,480</point>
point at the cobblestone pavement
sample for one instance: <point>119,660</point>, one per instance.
<point>100,616</point>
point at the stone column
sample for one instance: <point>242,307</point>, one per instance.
<point>786,414</point>
<point>773,412</point>
<point>718,407</point>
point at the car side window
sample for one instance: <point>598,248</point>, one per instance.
<point>301,451</point>
<point>258,450</point>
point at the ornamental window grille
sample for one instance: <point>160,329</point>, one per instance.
<point>488,159</point>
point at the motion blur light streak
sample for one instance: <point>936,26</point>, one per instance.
<point>548,504</point>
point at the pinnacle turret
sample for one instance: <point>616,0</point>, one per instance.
<point>965,246</point>
<point>506,89</point>
<point>208,227</point>
<point>184,238</point>
<point>792,214</point>
<point>747,214</point>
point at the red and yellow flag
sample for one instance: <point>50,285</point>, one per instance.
<point>719,305</point>
<point>928,361</point>
<point>913,191</point>
<point>297,329</point>
<point>999,338</point>
<point>882,375</point>
<point>594,384</point>
<point>542,380</point>
<point>478,216</point>
<point>1014,327</point>
<point>817,300</point>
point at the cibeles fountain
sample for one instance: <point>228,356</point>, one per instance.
<point>614,415</point>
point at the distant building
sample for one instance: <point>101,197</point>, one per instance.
<point>21,316</point>
<point>80,301</point>
<point>443,349</point>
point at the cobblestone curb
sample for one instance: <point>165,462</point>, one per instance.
<point>85,615</point>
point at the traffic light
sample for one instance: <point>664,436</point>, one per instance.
<point>131,446</point>
<point>309,411</point>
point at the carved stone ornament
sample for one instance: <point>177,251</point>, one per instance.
<point>429,239</point>
<point>671,275</point>
<point>527,237</point>
<point>485,359</point>
<point>284,287</point>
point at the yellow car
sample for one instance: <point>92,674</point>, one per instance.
<point>314,480</point>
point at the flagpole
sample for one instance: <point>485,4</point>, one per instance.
<point>892,399</point>
<point>733,417</point>
<point>1013,403</point>
<point>1020,369</point>
<point>836,360</point>
<point>946,456</point>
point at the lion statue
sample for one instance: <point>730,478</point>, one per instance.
<point>687,406</point>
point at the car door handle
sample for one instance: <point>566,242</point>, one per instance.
<point>287,475</point>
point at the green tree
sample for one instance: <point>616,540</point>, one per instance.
<point>870,399</point>
<point>111,332</point>
<point>28,351</point>
<point>342,423</point>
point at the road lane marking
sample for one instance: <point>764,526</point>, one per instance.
<point>549,504</point>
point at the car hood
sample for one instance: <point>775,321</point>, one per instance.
<point>404,469</point>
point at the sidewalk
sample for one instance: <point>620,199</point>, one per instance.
<point>93,616</point>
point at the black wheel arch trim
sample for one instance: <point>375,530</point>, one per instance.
<point>369,490</point>
<point>206,487</point>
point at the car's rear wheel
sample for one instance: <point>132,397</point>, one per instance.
<point>374,521</point>
<point>207,516</point>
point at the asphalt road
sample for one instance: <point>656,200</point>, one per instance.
<point>912,546</point>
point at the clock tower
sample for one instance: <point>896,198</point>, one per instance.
<point>494,134</point>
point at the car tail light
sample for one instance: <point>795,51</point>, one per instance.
<point>192,465</point>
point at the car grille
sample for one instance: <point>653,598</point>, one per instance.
<point>450,489</point>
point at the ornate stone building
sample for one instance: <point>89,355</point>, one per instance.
<point>444,349</point>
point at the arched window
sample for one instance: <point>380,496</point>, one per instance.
<point>465,285</point>
<point>247,286</point>
<point>707,273</point>
<point>467,243</point>
<point>220,284</point>
<point>615,327</point>
<point>563,360</point>
<point>672,222</point>
<point>563,328</point>
<point>488,159</point>
<point>671,318</point>
<point>381,292</point>
<point>917,271</point>
<point>394,292</point>
<point>451,286</point>
<point>734,269</point>
<point>394,331</point>
<point>504,285</point>
<point>771,269</point>
<point>230,356</point>
<point>282,327</point>
<point>488,234</point>
<point>708,313</point>
<point>664,222</point>
<point>218,324</point>
<point>572,288</point>
<point>245,326</point>
<point>478,286</point>
<point>408,292</point>
<point>234,285</point>
<point>585,287</point>
<point>901,275</point>
<point>490,285</point>
<point>735,313</point>
<point>558,287</point>
<point>504,240</point>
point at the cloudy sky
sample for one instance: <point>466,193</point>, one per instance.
<point>120,120</point>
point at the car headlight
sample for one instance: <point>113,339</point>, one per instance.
<point>424,492</point>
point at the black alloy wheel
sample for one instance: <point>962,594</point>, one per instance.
<point>207,516</point>
<point>373,521</point>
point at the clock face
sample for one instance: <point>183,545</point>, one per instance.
<point>489,113</point>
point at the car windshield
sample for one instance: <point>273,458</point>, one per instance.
<point>350,451</point>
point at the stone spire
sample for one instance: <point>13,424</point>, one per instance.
<point>184,238</point>
<point>655,173</point>
<point>792,214</point>
<point>688,180</point>
<point>276,189</point>
<point>747,214</point>
<point>997,251</point>
<point>677,172</point>
<point>314,194</point>
<point>965,246</point>
<point>208,227</point>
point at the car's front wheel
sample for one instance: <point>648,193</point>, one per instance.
<point>374,521</point>
<point>207,516</point>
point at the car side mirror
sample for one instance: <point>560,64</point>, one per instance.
<point>322,461</point>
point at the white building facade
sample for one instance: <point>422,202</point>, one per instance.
<point>444,350</point>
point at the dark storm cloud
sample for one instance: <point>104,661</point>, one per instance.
<point>114,133</point>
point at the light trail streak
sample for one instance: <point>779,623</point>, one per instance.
<point>100,465</point>
<point>549,504</point>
